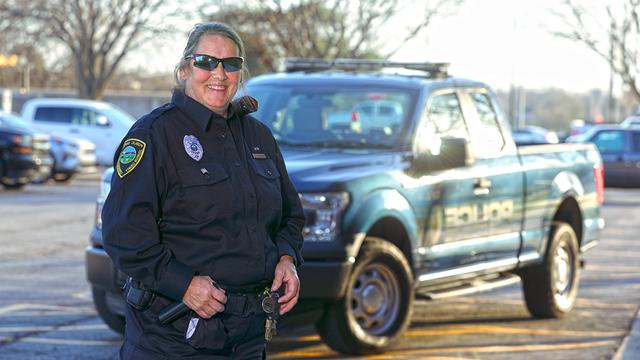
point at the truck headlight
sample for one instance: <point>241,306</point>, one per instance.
<point>105,183</point>
<point>105,187</point>
<point>323,212</point>
<point>98,216</point>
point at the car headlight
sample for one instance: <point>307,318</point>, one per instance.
<point>323,212</point>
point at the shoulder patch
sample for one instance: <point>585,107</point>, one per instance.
<point>130,156</point>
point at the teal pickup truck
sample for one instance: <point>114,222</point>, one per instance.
<point>435,200</point>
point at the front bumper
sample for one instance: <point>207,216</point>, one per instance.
<point>318,280</point>
<point>100,270</point>
<point>323,280</point>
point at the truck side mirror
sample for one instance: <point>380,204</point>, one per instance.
<point>452,153</point>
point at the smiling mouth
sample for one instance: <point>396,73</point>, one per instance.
<point>216,87</point>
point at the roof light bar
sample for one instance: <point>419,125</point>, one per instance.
<point>435,70</point>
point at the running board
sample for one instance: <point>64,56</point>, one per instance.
<point>466,288</point>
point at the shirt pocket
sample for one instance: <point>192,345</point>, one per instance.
<point>268,183</point>
<point>205,191</point>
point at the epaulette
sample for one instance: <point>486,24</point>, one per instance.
<point>245,105</point>
<point>147,120</point>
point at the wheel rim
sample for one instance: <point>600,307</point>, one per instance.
<point>563,274</point>
<point>375,299</point>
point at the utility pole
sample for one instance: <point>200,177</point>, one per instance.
<point>609,111</point>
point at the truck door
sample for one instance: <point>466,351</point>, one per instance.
<point>452,225</point>
<point>498,180</point>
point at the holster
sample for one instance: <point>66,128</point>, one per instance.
<point>139,296</point>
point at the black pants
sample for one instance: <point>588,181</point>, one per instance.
<point>237,335</point>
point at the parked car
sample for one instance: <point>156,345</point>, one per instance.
<point>620,150</point>
<point>631,121</point>
<point>24,155</point>
<point>40,143</point>
<point>445,206</point>
<point>102,123</point>
<point>534,135</point>
<point>379,114</point>
<point>71,156</point>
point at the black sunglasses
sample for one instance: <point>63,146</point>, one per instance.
<point>206,62</point>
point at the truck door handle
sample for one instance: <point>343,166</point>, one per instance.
<point>481,186</point>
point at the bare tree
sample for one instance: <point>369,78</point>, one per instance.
<point>321,29</point>
<point>97,33</point>
<point>618,42</point>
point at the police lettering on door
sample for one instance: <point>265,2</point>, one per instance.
<point>471,213</point>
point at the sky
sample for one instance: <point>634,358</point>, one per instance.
<point>499,42</point>
<point>505,42</point>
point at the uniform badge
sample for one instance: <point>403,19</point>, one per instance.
<point>130,156</point>
<point>193,147</point>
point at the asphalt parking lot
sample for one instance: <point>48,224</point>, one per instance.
<point>46,311</point>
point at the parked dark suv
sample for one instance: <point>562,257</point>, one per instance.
<point>620,150</point>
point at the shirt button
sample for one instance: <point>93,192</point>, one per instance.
<point>269,172</point>
<point>237,163</point>
<point>223,136</point>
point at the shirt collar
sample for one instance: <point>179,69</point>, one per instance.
<point>196,111</point>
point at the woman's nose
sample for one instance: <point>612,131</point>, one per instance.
<point>218,72</point>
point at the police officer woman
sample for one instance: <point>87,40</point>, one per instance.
<point>202,212</point>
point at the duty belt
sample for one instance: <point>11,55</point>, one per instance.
<point>242,304</point>
<point>239,304</point>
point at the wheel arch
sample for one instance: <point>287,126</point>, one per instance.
<point>388,215</point>
<point>393,230</point>
<point>569,212</point>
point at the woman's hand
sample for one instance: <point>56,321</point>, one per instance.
<point>286,274</point>
<point>204,297</point>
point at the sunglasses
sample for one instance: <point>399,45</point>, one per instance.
<point>206,62</point>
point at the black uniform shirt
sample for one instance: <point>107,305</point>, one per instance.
<point>197,193</point>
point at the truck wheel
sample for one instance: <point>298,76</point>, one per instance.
<point>550,288</point>
<point>61,177</point>
<point>114,321</point>
<point>378,303</point>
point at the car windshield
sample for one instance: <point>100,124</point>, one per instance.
<point>13,121</point>
<point>334,117</point>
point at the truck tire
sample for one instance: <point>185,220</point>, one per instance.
<point>550,288</point>
<point>114,321</point>
<point>377,306</point>
<point>61,177</point>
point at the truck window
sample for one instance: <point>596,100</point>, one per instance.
<point>611,141</point>
<point>334,116</point>
<point>53,114</point>
<point>84,117</point>
<point>442,118</point>
<point>67,115</point>
<point>488,140</point>
<point>446,116</point>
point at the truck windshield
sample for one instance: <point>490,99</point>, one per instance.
<point>338,117</point>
